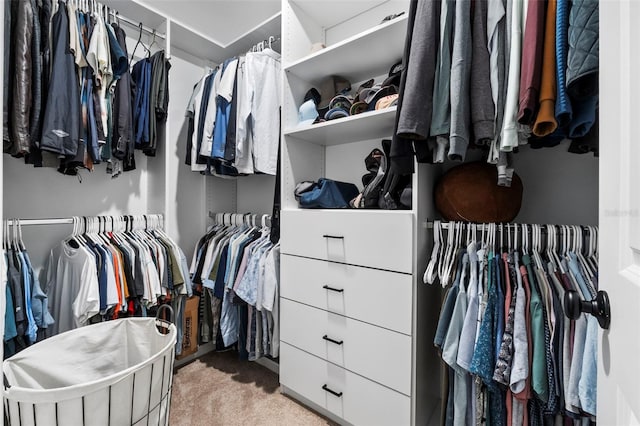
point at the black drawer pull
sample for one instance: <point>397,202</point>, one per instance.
<point>333,236</point>
<point>332,392</point>
<point>337,290</point>
<point>329,339</point>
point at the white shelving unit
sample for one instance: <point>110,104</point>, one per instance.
<point>367,125</point>
<point>338,265</point>
<point>374,51</point>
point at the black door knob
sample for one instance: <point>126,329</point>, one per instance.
<point>598,307</point>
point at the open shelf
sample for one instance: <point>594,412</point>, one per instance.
<point>329,13</point>
<point>368,125</point>
<point>195,43</point>
<point>365,55</point>
<point>191,41</point>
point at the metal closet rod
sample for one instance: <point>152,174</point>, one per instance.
<point>110,12</point>
<point>135,24</point>
<point>213,215</point>
<point>242,216</point>
<point>65,220</point>
<point>480,226</point>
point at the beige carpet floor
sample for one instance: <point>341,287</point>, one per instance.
<point>219,389</point>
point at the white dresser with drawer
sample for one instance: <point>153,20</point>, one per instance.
<point>356,321</point>
<point>346,311</point>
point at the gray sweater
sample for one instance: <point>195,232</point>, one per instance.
<point>440,123</point>
<point>460,79</point>
<point>416,105</point>
<point>482,107</point>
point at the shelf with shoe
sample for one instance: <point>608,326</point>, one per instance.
<point>364,126</point>
<point>335,262</point>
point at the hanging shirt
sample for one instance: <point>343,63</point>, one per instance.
<point>32,328</point>
<point>141,76</point>
<point>99,58</point>
<point>260,108</point>
<point>39,300</point>
<point>462,381</point>
<point>520,366</point>
<point>509,137</point>
<point>468,333</point>
<point>272,279</point>
<point>61,120</point>
<point>539,380</point>
<point>75,289</point>
<point>224,98</point>
<point>244,138</point>
<point>194,109</point>
<point>460,80</point>
<point>207,119</point>
<point>10,330</point>
<point>248,289</point>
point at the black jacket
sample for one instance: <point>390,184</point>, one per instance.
<point>61,124</point>
<point>23,68</point>
<point>123,141</point>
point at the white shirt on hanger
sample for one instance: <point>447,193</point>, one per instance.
<point>259,108</point>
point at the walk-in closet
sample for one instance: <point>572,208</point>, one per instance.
<point>361,212</point>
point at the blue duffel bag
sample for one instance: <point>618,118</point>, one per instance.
<point>325,194</point>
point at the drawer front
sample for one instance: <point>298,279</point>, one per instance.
<point>377,239</point>
<point>379,354</point>
<point>378,297</point>
<point>358,401</point>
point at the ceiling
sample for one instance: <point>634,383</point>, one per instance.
<point>224,21</point>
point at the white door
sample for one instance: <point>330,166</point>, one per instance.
<point>619,347</point>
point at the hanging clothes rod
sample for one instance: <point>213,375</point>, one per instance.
<point>238,218</point>
<point>261,45</point>
<point>135,24</point>
<point>66,220</point>
<point>29,222</point>
<point>112,14</point>
<point>485,226</point>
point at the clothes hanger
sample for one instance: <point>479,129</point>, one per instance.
<point>443,265</point>
<point>20,241</point>
<point>597,245</point>
<point>492,237</point>
<point>11,236</point>
<point>4,235</point>
<point>429,273</point>
<point>591,255</point>
<point>456,249</point>
<point>588,271</point>
<point>153,41</point>
<point>538,246</point>
<point>139,42</point>
<point>551,246</point>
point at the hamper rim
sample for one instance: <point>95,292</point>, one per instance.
<point>24,394</point>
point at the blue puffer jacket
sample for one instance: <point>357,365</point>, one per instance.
<point>582,59</point>
<point>564,111</point>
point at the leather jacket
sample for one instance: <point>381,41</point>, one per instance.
<point>22,80</point>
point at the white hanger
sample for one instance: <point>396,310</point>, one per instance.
<point>444,267</point>
<point>430,272</point>
<point>537,245</point>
